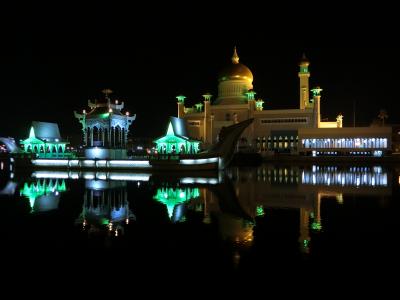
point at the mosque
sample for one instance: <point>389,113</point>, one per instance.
<point>293,131</point>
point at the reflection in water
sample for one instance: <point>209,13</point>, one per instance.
<point>234,203</point>
<point>105,206</point>
<point>173,198</point>
<point>43,194</point>
<point>354,176</point>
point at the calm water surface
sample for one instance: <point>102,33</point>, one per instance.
<point>283,220</point>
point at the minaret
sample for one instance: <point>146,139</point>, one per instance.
<point>317,106</point>
<point>304,74</point>
<point>208,126</point>
<point>181,105</point>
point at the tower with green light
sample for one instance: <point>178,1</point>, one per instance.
<point>105,128</point>
<point>304,76</point>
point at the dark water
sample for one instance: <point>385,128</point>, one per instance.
<point>283,222</point>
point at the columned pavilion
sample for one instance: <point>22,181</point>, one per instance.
<point>105,128</point>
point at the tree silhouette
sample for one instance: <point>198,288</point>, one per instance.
<point>383,115</point>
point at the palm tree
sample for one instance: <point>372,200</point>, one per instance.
<point>383,115</point>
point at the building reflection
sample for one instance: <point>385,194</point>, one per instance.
<point>43,194</point>
<point>303,189</point>
<point>174,198</point>
<point>234,202</point>
<point>105,207</point>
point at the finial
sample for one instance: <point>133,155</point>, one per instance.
<point>235,57</point>
<point>304,60</point>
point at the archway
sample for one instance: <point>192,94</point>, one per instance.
<point>182,149</point>
<point>118,136</point>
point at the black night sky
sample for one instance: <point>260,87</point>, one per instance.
<point>51,64</point>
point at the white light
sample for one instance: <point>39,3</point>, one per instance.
<point>88,176</point>
<point>74,163</point>
<point>102,176</point>
<point>129,163</point>
<point>47,174</point>
<point>199,161</point>
<point>74,175</point>
<point>88,163</point>
<point>50,162</point>
<point>130,177</point>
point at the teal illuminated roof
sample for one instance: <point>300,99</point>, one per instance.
<point>46,131</point>
<point>178,126</point>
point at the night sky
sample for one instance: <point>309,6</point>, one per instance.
<point>51,66</point>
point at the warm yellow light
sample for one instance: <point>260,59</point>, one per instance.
<point>110,110</point>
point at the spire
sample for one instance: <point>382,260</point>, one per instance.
<point>32,133</point>
<point>235,57</point>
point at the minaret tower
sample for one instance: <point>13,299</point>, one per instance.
<point>304,75</point>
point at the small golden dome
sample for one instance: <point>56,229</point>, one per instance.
<point>304,62</point>
<point>236,70</point>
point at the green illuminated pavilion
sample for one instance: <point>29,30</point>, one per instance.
<point>175,140</point>
<point>45,140</point>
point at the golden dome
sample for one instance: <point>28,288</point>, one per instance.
<point>236,70</point>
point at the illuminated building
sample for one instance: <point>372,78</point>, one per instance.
<point>105,128</point>
<point>273,131</point>
<point>366,141</point>
<point>45,140</point>
<point>176,140</point>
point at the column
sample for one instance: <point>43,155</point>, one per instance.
<point>91,137</point>
<point>120,138</point>
<point>102,137</point>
